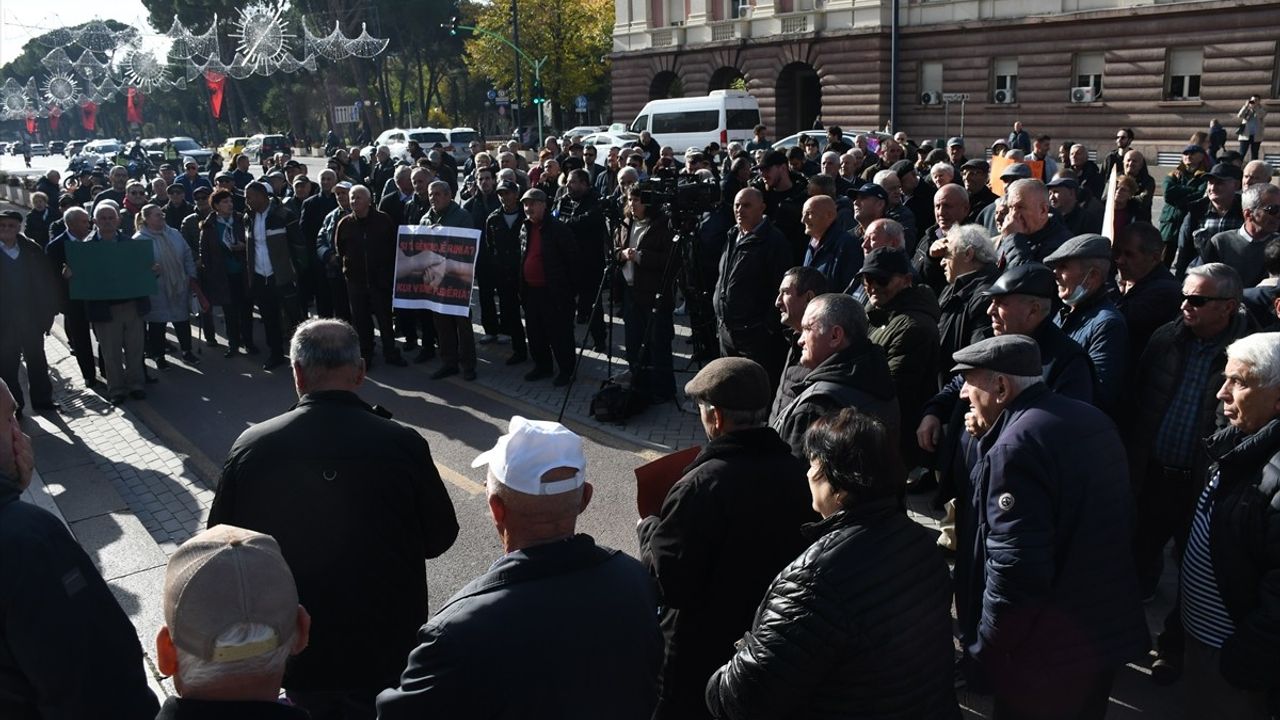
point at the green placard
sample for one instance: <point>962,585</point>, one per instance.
<point>111,270</point>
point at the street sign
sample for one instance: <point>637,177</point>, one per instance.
<point>493,95</point>
<point>580,103</point>
<point>502,98</point>
<point>346,114</point>
<point>955,97</point>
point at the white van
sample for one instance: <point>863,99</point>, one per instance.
<point>722,117</point>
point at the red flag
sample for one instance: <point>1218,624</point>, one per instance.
<point>55,112</point>
<point>216,82</point>
<point>89,115</point>
<point>134,110</point>
<point>31,124</point>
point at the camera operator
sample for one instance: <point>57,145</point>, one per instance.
<point>579,209</point>
<point>643,249</point>
<point>756,256</point>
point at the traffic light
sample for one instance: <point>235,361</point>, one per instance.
<point>453,25</point>
<point>539,96</point>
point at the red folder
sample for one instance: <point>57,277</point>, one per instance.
<point>655,479</point>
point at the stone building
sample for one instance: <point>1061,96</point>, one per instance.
<point>1074,69</point>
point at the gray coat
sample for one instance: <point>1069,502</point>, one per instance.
<point>1237,249</point>
<point>170,306</point>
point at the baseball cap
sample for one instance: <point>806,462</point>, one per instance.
<point>975,164</point>
<point>956,141</point>
<point>1192,150</point>
<point>1063,182</point>
<point>529,450</point>
<point>175,187</point>
<point>224,176</point>
<point>774,158</point>
<point>885,262</point>
<point>534,194</point>
<point>345,185</point>
<point>873,190</point>
<point>224,576</point>
<point>508,185</point>
<point>1226,171</point>
<point>13,215</point>
<point>202,190</point>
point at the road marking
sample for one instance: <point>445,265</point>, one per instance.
<point>453,476</point>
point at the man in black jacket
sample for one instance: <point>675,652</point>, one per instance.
<point>845,369</point>
<point>480,206</point>
<point>1031,233</point>
<point>784,194</point>
<point>755,258</point>
<point>1145,292</point>
<point>579,209</point>
<point>969,265</point>
<point>310,220</point>
<point>1228,596</point>
<point>725,530</point>
<point>29,292</point>
<point>501,241</point>
<point>546,288</point>
<point>558,627</point>
<point>69,650</point>
<point>357,506</point>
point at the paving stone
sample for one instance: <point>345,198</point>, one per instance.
<point>83,492</point>
<point>118,543</point>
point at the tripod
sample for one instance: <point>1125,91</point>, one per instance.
<point>609,269</point>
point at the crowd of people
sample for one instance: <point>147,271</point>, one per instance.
<point>1075,382</point>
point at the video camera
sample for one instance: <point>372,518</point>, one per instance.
<point>679,195</point>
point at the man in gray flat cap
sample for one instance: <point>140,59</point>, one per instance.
<point>1081,268</point>
<point>1046,595</point>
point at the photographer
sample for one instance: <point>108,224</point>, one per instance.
<point>643,250</point>
<point>1252,123</point>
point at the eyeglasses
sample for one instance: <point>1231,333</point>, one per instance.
<point>1196,301</point>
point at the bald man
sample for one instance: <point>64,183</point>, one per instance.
<point>950,209</point>
<point>831,251</point>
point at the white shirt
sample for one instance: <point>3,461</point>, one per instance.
<point>261,259</point>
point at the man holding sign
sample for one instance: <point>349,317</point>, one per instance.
<point>453,329</point>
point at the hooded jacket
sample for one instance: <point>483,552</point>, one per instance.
<point>907,329</point>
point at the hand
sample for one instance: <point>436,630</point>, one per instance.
<point>938,249</point>
<point>929,434</point>
<point>155,268</point>
<point>974,424</point>
<point>24,459</point>
<point>66,272</point>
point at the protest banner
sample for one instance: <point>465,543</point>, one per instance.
<point>435,268</point>
<point>111,270</point>
<point>1000,164</point>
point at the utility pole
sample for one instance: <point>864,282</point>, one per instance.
<point>515,41</point>
<point>454,25</point>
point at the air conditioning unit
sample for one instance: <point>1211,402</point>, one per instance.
<point>1004,97</point>
<point>931,97</point>
<point>1085,94</point>
<point>745,9</point>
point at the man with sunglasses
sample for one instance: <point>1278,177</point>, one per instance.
<point>1177,377</point>
<point>1242,248</point>
<point>1124,139</point>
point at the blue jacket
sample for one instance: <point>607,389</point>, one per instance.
<point>838,257</point>
<point>1101,330</point>
<point>1044,579</point>
<point>565,630</point>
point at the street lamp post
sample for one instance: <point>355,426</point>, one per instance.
<point>453,26</point>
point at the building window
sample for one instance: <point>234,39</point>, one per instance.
<point>1004,80</point>
<point>1185,66</point>
<point>1088,72</point>
<point>930,83</point>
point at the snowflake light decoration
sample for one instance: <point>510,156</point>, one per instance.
<point>13,101</point>
<point>145,71</point>
<point>61,90</point>
<point>263,40</point>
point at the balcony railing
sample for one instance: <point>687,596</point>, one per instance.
<point>663,38</point>
<point>798,23</point>
<point>724,31</point>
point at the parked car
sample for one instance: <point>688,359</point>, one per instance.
<point>74,147</point>
<point>584,130</point>
<point>186,147</point>
<point>461,137</point>
<point>266,146</point>
<point>232,146</point>
<point>39,150</point>
<point>604,140</point>
<point>873,138</point>
<point>721,116</point>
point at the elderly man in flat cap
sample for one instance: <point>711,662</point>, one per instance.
<point>559,626</point>
<point>1046,595</point>
<point>713,566</point>
<point>1081,268</point>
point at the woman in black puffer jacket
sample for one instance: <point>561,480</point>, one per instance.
<point>859,626</point>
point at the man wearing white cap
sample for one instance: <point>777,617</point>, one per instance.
<point>231,622</point>
<point>559,627</point>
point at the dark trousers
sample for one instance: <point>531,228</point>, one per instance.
<point>239,323</point>
<point>264,295</point>
<point>588,278</point>
<point>457,341</point>
<point>759,344</point>
<point>1054,697</point>
<point>416,327</point>
<point>509,322</point>
<point>648,334</point>
<point>323,293</point>
<point>487,289</point>
<point>366,304</point>
<point>340,304</point>
<point>336,704</point>
<point>26,343</point>
<point>1250,147</point>
<point>1164,509</point>
<point>155,337</point>
<point>76,325</point>
<point>548,315</point>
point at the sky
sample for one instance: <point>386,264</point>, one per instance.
<point>22,20</point>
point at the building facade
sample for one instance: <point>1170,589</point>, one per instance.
<point>1072,69</point>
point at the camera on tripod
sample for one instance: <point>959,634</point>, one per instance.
<point>680,195</point>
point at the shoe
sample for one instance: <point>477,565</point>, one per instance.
<point>397,360</point>
<point>600,347</point>
<point>190,358</point>
<point>138,394</point>
<point>92,383</point>
<point>251,349</point>
<point>162,363</point>
<point>47,407</point>
<point>231,352</point>
<point>562,379</point>
<point>444,372</point>
<point>469,375</point>
<point>1164,671</point>
<point>537,374</point>
<point>517,358</point>
<point>273,362</point>
<point>117,399</point>
<point>487,339</point>
<point>212,343</point>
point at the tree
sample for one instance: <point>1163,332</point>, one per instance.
<point>573,35</point>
